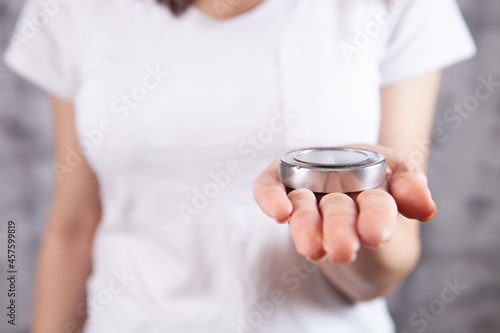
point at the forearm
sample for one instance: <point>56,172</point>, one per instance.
<point>406,121</point>
<point>64,261</point>
<point>377,272</point>
<point>63,267</point>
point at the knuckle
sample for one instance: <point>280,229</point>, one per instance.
<point>375,195</point>
<point>335,199</point>
<point>332,246</point>
<point>265,190</point>
<point>305,215</point>
<point>338,208</point>
<point>301,194</point>
<point>341,216</point>
<point>405,165</point>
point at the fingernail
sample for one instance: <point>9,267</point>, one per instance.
<point>323,258</point>
<point>282,222</point>
<point>432,214</point>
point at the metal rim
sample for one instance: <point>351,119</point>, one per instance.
<point>345,174</point>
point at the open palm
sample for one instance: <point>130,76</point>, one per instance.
<point>336,225</point>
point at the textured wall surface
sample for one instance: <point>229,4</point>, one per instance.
<point>461,242</point>
<point>460,246</point>
<point>25,173</point>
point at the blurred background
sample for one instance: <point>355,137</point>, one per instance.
<point>456,287</point>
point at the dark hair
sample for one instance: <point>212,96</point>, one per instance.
<point>177,6</point>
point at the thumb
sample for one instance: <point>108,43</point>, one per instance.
<point>408,186</point>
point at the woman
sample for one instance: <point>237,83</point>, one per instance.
<point>167,112</point>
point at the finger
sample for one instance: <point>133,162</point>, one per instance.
<point>408,186</point>
<point>305,224</point>
<point>340,240</point>
<point>377,217</point>
<point>271,196</point>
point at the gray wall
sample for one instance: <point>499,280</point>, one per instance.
<point>25,173</point>
<point>462,241</point>
<point>459,246</point>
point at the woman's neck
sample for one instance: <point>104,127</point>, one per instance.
<point>223,9</point>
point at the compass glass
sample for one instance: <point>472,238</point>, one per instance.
<point>331,157</point>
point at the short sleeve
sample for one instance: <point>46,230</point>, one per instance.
<point>426,35</point>
<point>40,49</point>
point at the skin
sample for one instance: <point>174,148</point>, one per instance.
<point>64,261</point>
<point>224,9</point>
<point>338,228</point>
<point>364,246</point>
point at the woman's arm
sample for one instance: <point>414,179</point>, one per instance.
<point>407,116</point>
<point>369,246</point>
<point>64,260</point>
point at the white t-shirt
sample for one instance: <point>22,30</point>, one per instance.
<point>178,116</point>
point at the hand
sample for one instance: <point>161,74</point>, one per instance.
<point>336,225</point>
